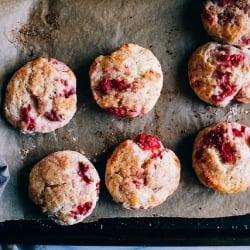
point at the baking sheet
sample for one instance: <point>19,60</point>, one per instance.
<point>75,32</point>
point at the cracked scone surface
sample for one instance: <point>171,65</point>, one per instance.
<point>141,173</point>
<point>41,96</point>
<point>228,21</point>
<point>66,185</point>
<point>127,82</point>
<point>221,157</point>
<point>219,74</point>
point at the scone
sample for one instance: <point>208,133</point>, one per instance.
<point>221,157</point>
<point>228,21</point>
<point>220,73</point>
<point>127,82</point>
<point>141,173</point>
<point>66,186</point>
<point>41,96</point>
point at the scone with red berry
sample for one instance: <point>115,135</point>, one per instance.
<point>220,73</point>
<point>66,185</point>
<point>221,157</point>
<point>41,96</point>
<point>141,173</point>
<point>228,21</point>
<point>127,82</point>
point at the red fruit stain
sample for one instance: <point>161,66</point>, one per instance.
<point>107,85</point>
<point>83,168</point>
<point>140,181</point>
<point>53,116</point>
<point>239,133</point>
<point>64,82</point>
<point>215,138</point>
<point>226,88</point>
<point>224,2</point>
<point>82,209</point>
<point>246,40</point>
<point>98,187</point>
<point>68,93</point>
<point>57,64</point>
<point>119,112</point>
<point>31,124</point>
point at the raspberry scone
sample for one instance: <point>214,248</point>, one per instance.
<point>220,73</point>
<point>221,157</point>
<point>66,186</point>
<point>41,96</point>
<point>127,82</point>
<point>228,21</point>
<point>141,173</point>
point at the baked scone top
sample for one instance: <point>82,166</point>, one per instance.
<point>127,82</point>
<point>41,96</point>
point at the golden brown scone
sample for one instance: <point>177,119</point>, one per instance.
<point>41,96</point>
<point>141,173</point>
<point>220,73</point>
<point>221,157</point>
<point>228,21</point>
<point>66,186</point>
<point>127,82</point>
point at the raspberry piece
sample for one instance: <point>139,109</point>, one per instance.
<point>27,118</point>
<point>81,209</point>
<point>108,85</point>
<point>148,142</point>
<point>58,65</point>
<point>246,40</point>
<point>64,82</point>
<point>119,112</point>
<point>239,133</point>
<point>53,116</point>
<point>140,181</point>
<point>68,93</point>
<point>82,171</point>
<point>227,89</point>
<point>215,138</point>
<point>230,60</point>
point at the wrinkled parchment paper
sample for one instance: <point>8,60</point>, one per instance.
<point>75,32</point>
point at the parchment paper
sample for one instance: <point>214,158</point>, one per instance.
<point>75,32</point>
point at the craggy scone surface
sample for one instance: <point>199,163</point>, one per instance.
<point>220,73</point>
<point>141,173</point>
<point>228,21</point>
<point>66,186</point>
<point>127,82</point>
<point>41,96</point>
<point>221,157</point>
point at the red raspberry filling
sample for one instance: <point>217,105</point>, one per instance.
<point>119,112</point>
<point>140,181</point>
<point>239,133</point>
<point>83,169</point>
<point>81,209</point>
<point>230,60</point>
<point>107,85</point>
<point>148,142</point>
<point>53,116</point>
<point>31,124</point>
<point>68,93</point>
<point>216,138</point>
<point>246,40</point>
<point>223,2</point>
<point>58,65</point>
<point>226,88</point>
<point>64,82</point>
